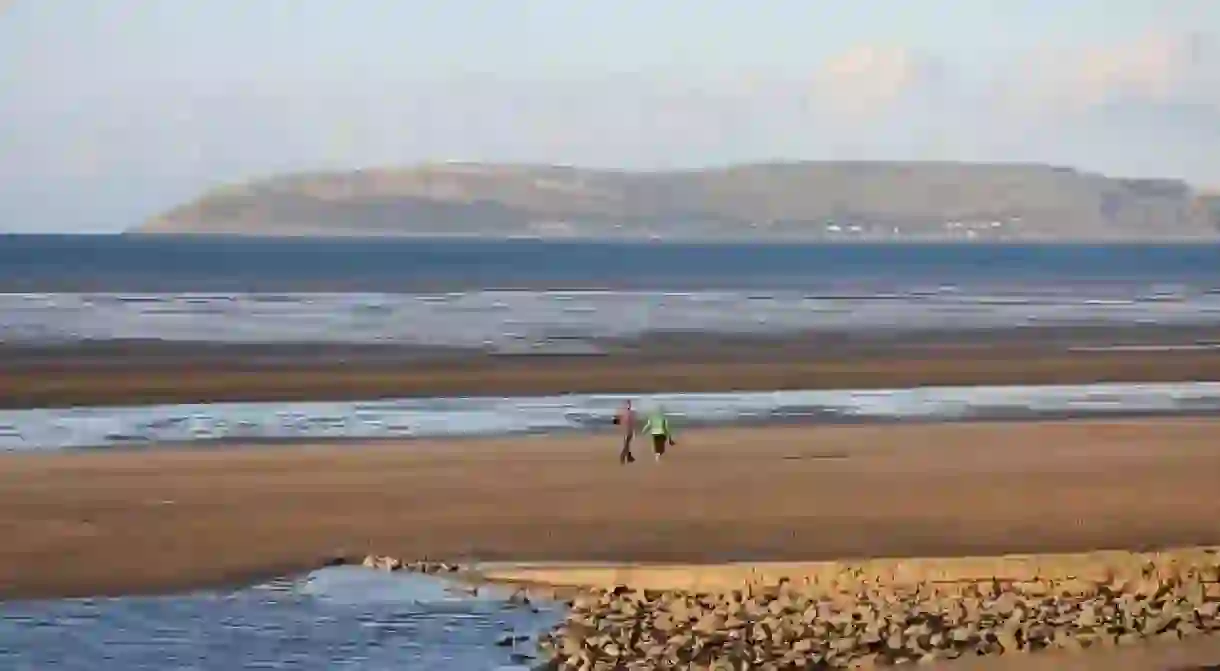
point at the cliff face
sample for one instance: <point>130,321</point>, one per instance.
<point>1209,206</point>
<point>761,201</point>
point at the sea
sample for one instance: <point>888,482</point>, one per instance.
<point>555,296</point>
<point>520,295</point>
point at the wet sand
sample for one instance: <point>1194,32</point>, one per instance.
<point>139,521</point>
<point>118,373</point>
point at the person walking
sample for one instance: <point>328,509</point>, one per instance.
<point>659,428</point>
<point>625,418</point>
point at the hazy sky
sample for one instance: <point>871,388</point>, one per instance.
<point>112,110</point>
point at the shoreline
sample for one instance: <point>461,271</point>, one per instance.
<point>153,522</point>
<point>142,372</point>
<point>606,431</point>
<point>1117,240</point>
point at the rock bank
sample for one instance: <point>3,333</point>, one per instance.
<point>859,621</point>
<point>865,614</point>
<point>387,563</point>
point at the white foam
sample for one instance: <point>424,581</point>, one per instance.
<point>478,318</point>
<point>1197,347</point>
<point>55,428</point>
<point>353,585</point>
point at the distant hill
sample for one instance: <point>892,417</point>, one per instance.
<point>1209,204</point>
<point>777,201</point>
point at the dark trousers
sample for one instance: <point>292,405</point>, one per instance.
<point>658,443</point>
<point>625,456</point>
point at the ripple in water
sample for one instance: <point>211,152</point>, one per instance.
<point>514,320</point>
<point>58,428</point>
<point>344,618</point>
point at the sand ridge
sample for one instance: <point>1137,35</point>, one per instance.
<point>1100,566</point>
<point>136,373</point>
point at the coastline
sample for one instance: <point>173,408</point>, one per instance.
<point>93,523</point>
<point>282,425</point>
<point>155,372</point>
<point>1047,240</point>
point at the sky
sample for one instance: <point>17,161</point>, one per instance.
<point>112,111</point>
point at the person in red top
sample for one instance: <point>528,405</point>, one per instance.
<point>626,419</point>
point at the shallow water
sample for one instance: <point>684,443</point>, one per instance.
<point>57,428</point>
<point>514,321</point>
<point>344,618</point>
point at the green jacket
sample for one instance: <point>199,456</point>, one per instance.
<point>657,425</point>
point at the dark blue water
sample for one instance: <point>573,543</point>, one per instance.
<point>151,264</point>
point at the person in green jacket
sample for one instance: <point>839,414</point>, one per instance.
<point>657,425</point>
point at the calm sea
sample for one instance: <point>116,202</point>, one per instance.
<point>531,296</point>
<point>165,264</point>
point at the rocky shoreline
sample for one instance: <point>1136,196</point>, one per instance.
<point>859,619</point>
<point>785,628</point>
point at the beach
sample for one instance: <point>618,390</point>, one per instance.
<point>147,521</point>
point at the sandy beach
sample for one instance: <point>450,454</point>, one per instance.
<point>89,523</point>
<point>118,373</point>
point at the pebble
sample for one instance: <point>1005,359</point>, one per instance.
<point>387,563</point>
<point>875,626</point>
